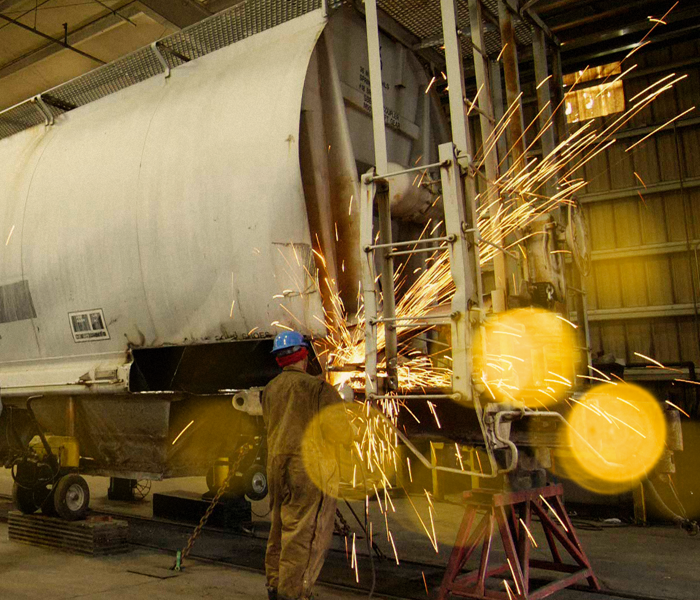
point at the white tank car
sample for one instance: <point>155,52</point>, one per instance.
<point>160,215</point>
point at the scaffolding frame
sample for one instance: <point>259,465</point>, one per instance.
<point>459,190</point>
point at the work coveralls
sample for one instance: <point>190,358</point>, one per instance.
<point>302,512</point>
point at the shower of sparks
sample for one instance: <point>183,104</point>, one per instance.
<point>651,360</point>
<point>567,321</point>
<point>549,506</point>
<point>505,210</point>
<point>677,408</point>
<point>179,435</point>
<point>515,579</point>
<point>529,535</point>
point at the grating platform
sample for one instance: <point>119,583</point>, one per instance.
<point>97,536</point>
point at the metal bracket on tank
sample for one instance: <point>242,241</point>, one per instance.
<point>161,59</point>
<point>43,109</point>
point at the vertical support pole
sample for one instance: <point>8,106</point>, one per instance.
<point>580,304</point>
<point>462,257</point>
<point>487,122</point>
<point>369,290</point>
<point>498,106</point>
<point>460,132</point>
<point>516,138</point>
<point>560,124</point>
<point>381,162</point>
<point>376,85</point>
<point>455,78</point>
<point>388,293</point>
<point>544,103</point>
<point>462,272</point>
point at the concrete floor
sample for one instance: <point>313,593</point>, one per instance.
<point>653,562</point>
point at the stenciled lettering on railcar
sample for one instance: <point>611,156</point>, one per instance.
<point>391,117</point>
<point>256,335</point>
<point>88,325</point>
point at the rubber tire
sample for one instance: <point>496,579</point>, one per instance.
<point>250,491</point>
<point>60,497</point>
<point>23,498</point>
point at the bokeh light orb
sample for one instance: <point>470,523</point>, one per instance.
<point>526,355</point>
<point>365,468</point>
<point>616,434</point>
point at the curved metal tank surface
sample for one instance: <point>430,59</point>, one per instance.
<point>171,212</point>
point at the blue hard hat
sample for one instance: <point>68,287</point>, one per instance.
<point>287,340</point>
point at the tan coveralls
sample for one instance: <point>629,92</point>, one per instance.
<point>302,514</point>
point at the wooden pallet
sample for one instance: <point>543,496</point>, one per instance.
<point>96,536</point>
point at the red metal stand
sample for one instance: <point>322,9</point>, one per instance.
<point>512,513</point>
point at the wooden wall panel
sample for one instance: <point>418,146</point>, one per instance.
<point>645,160</point>
<point>690,350</point>
<point>652,216</point>
<point>665,341</point>
<point>597,173</point>
<point>675,217</point>
<point>633,282</point>
<point>668,155</point>
<point>690,143</point>
<point>621,167</point>
<point>639,339</point>
<point>693,206</point>
<point>659,280</point>
<point>613,339</point>
<point>633,87</point>
<point>682,279</point>
<point>608,287</point>
<point>626,220</point>
<point>601,226</point>
<point>591,291</point>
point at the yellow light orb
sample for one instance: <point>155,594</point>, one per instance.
<point>617,434</point>
<point>352,473</point>
<point>526,355</point>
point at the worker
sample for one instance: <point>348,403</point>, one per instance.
<point>302,503</point>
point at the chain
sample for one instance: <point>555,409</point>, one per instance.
<point>182,554</point>
<point>342,527</point>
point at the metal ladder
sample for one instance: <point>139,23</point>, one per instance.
<point>462,238</point>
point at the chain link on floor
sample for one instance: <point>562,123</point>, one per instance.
<point>342,527</point>
<point>184,553</point>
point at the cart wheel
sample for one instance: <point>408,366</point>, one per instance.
<point>142,488</point>
<point>71,497</point>
<point>23,497</point>
<point>255,480</point>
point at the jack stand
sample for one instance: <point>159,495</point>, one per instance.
<point>512,514</point>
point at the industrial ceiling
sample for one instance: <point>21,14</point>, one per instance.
<point>46,42</point>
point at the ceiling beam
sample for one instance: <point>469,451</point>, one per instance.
<point>8,4</point>
<point>96,27</point>
<point>178,13</point>
<point>61,43</point>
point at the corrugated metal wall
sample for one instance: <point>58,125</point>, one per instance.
<point>643,287</point>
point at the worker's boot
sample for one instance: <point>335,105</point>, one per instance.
<point>272,594</point>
